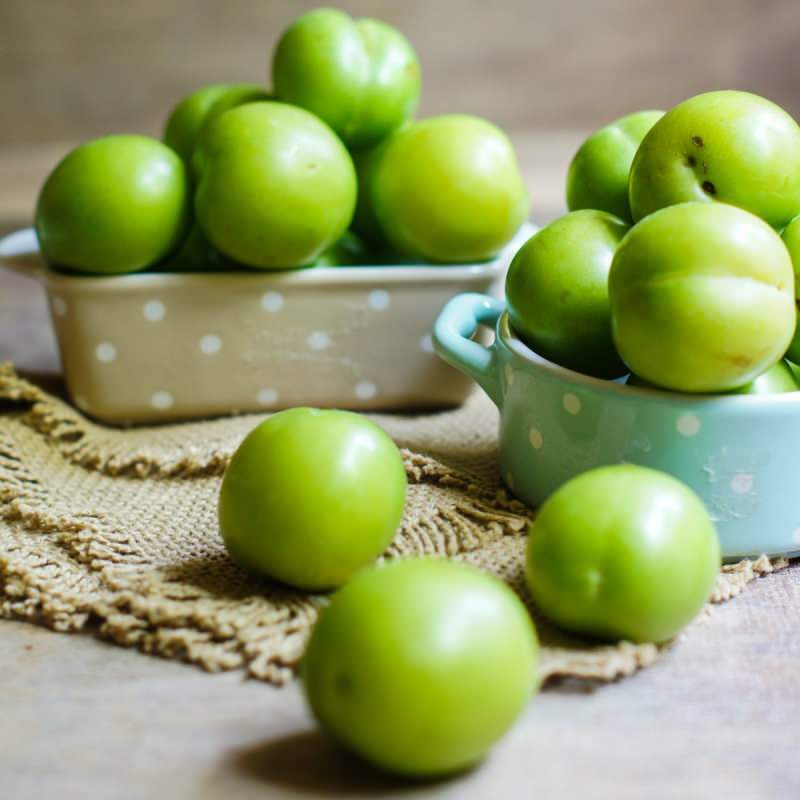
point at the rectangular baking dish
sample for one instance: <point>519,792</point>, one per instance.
<point>153,347</point>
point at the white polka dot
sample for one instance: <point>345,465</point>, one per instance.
<point>272,301</point>
<point>572,403</point>
<point>105,352</point>
<point>366,390</point>
<point>426,343</point>
<point>161,400</point>
<point>59,306</point>
<point>210,344</point>
<point>796,535</point>
<point>379,300</point>
<point>510,480</point>
<point>688,425</point>
<point>268,397</point>
<point>154,311</point>
<point>742,483</point>
<point>509,373</point>
<point>318,340</point>
<point>535,438</point>
<point>81,402</point>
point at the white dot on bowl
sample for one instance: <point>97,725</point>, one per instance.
<point>267,397</point>
<point>272,301</point>
<point>509,373</point>
<point>742,483</point>
<point>688,425</point>
<point>796,535</point>
<point>535,438</point>
<point>379,299</point>
<point>161,400</point>
<point>210,344</point>
<point>572,403</point>
<point>318,340</point>
<point>426,343</point>
<point>59,306</point>
<point>154,311</point>
<point>105,352</point>
<point>366,390</point>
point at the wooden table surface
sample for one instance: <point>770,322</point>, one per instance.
<point>718,717</point>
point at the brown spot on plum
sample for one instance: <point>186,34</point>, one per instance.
<point>697,141</point>
<point>709,188</point>
<point>691,161</point>
<point>739,360</point>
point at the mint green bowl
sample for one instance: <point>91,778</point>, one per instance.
<point>740,453</point>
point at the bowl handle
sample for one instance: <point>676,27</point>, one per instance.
<point>457,322</point>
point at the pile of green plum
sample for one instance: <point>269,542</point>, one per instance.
<point>327,168</point>
<point>679,262</point>
<point>420,665</point>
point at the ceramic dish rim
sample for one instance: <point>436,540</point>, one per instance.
<point>22,245</point>
<point>515,345</point>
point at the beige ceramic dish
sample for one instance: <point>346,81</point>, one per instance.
<point>154,347</point>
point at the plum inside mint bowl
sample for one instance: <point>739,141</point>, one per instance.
<point>656,322</point>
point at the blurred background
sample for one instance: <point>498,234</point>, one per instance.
<point>547,71</point>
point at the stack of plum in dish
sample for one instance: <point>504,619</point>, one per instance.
<point>327,168</point>
<point>678,263</point>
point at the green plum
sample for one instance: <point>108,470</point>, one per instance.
<point>276,186</point>
<point>365,222</point>
<point>778,379</point>
<point>349,251</point>
<point>731,147</point>
<point>598,174</point>
<point>113,205</point>
<point>557,292</point>
<point>622,552</point>
<point>195,255</point>
<point>702,298</point>
<point>791,238</point>
<point>312,496</point>
<point>201,106</point>
<point>447,189</point>
<point>421,665</point>
<point>360,76</point>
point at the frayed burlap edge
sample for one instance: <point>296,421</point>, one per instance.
<point>73,573</point>
<point>87,444</point>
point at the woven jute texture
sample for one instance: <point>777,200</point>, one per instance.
<point>115,532</point>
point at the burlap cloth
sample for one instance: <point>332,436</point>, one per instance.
<point>115,531</point>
